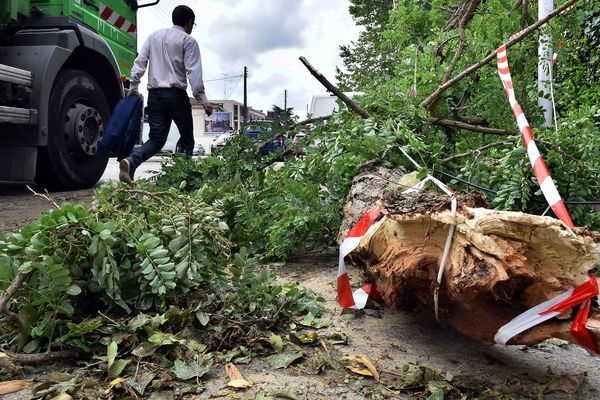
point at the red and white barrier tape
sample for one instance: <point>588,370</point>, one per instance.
<point>581,296</point>
<point>539,167</point>
<point>108,14</point>
<point>358,299</point>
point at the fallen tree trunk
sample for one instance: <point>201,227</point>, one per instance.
<point>500,263</point>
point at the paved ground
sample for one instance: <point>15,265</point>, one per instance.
<point>18,206</point>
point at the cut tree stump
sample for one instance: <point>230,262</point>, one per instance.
<point>500,263</point>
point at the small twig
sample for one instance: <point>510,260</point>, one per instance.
<point>441,45</point>
<point>374,161</point>
<point>557,148</point>
<point>46,196</point>
<point>154,195</point>
<point>461,46</point>
<point>476,151</point>
<point>311,120</point>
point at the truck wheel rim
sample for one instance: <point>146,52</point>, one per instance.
<point>83,129</point>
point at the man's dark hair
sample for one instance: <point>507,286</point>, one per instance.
<point>182,15</point>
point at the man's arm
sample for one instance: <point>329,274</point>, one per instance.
<point>139,67</point>
<point>193,67</point>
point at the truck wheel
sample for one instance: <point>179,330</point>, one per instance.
<point>78,112</point>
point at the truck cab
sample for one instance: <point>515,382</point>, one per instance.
<point>64,65</point>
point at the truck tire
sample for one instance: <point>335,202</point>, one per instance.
<point>78,112</point>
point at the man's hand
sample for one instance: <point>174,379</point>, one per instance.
<point>133,92</point>
<point>207,109</point>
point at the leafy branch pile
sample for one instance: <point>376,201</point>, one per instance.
<point>137,271</point>
<point>171,268</point>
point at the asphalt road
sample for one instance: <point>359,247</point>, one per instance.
<point>19,206</point>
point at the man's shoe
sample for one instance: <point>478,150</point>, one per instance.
<point>125,171</point>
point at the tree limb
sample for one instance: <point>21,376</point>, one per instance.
<point>516,38</point>
<point>468,153</point>
<point>40,358</point>
<point>473,128</point>
<point>311,120</point>
<point>461,46</point>
<point>473,119</point>
<point>335,90</point>
<point>8,293</point>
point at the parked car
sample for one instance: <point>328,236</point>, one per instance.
<point>198,150</point>
<point>266,131</point>
<point>297,142</point>
<point>220,140</point>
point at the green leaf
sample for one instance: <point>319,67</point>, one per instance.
<point>140,381</point>
<point>73,290</point>
<point>203,317</point>
<point>32,346</point>
<point>111,354</point>
<point>145,349</point>
<point>118,367</point>
<point>283,360</point>
<point>185,371</point>
<point>276,342</point>
<point>162,339</point>
<point>138,322</point>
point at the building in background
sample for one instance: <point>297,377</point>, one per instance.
<point>236,109</point>
<point>227,114</point>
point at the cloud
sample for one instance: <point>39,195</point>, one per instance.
<point>246,33</point>
<point>271,83</point>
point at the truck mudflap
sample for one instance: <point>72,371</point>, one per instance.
<point>17,164</point>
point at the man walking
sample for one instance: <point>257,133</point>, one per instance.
<point>174,57</point>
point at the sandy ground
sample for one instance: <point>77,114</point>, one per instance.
<point>391,340</point>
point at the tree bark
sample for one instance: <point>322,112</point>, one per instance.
<point>500,263</point>
<point>474,128</point>
<point>335,90</point>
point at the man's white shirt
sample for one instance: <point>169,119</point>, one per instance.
<point>174,57</point>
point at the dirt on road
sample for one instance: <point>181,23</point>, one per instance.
<point>396,342</point>
<point>19,206</point>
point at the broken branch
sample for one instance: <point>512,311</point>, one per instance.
<point>46,196</point>
<point>40,358</point>
<point>311,120</point>
<point>335,90</point>
<point>476,151</point>
<point>8,293</point>
<point>516,38</point>
<point>474,128</point>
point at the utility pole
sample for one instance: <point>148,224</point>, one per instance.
<point>285,112</point>
<point>545,7</point>
<point>225,88</point>
<point>245,95</point>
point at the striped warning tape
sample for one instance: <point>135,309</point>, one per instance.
<point>539,167</point>
<point>581,295</point>
<point>108,14</point>
<point>358,298</point>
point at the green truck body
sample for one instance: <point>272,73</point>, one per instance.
<point>64,64</point>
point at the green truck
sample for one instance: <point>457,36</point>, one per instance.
<point>64,64</point>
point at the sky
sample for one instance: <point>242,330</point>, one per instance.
<point>267,36</point>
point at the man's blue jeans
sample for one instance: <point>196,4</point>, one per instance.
<point>165,106</point>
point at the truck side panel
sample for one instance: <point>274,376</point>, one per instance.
<point>112,19</point>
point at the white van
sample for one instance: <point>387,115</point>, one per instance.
<point>324,105</point>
